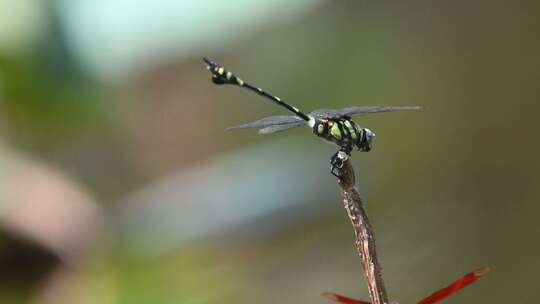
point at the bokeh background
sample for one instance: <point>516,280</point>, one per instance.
<point>119,185</point>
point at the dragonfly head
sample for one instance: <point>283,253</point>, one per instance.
<point>366,140</point>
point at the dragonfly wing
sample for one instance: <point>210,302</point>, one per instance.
<point>279,128</point>
<point>325,113</point>
<point>350,111</point>
<point>270,121</point>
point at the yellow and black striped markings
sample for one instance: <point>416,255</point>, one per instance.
<point>342,131</point>
<point>335,130</point>
<point>231,78</point>
<point>350,128</point>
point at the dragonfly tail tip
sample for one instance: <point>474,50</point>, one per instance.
<point>208,62</point>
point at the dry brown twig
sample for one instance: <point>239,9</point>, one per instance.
<point>365,246</point>
<point>365,241</point>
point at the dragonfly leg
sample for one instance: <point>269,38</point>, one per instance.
<point>337,161</point>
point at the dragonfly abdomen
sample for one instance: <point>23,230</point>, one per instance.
<point>220,75</point>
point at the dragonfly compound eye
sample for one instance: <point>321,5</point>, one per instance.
<point>370,136</point>
<point>366,140</point>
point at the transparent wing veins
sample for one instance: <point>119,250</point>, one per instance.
<point>350,111</point>
<point>271,121</point>
<point>273,124</point>
<point>279,128</point>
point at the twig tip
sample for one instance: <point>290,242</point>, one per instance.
<point>482,271</point>
<point>330,296</point>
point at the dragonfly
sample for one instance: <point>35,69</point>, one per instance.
<point>333,125</point>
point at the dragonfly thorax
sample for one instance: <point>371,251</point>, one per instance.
<point>344,132</point>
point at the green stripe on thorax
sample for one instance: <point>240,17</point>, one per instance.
<point>335,130</point>
<point>350,127</point>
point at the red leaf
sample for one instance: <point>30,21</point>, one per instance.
<point>456,286</point>
<point>463,282</point>
<point>342,299</point>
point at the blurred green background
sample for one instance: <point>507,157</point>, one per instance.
<point>119,185</point>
